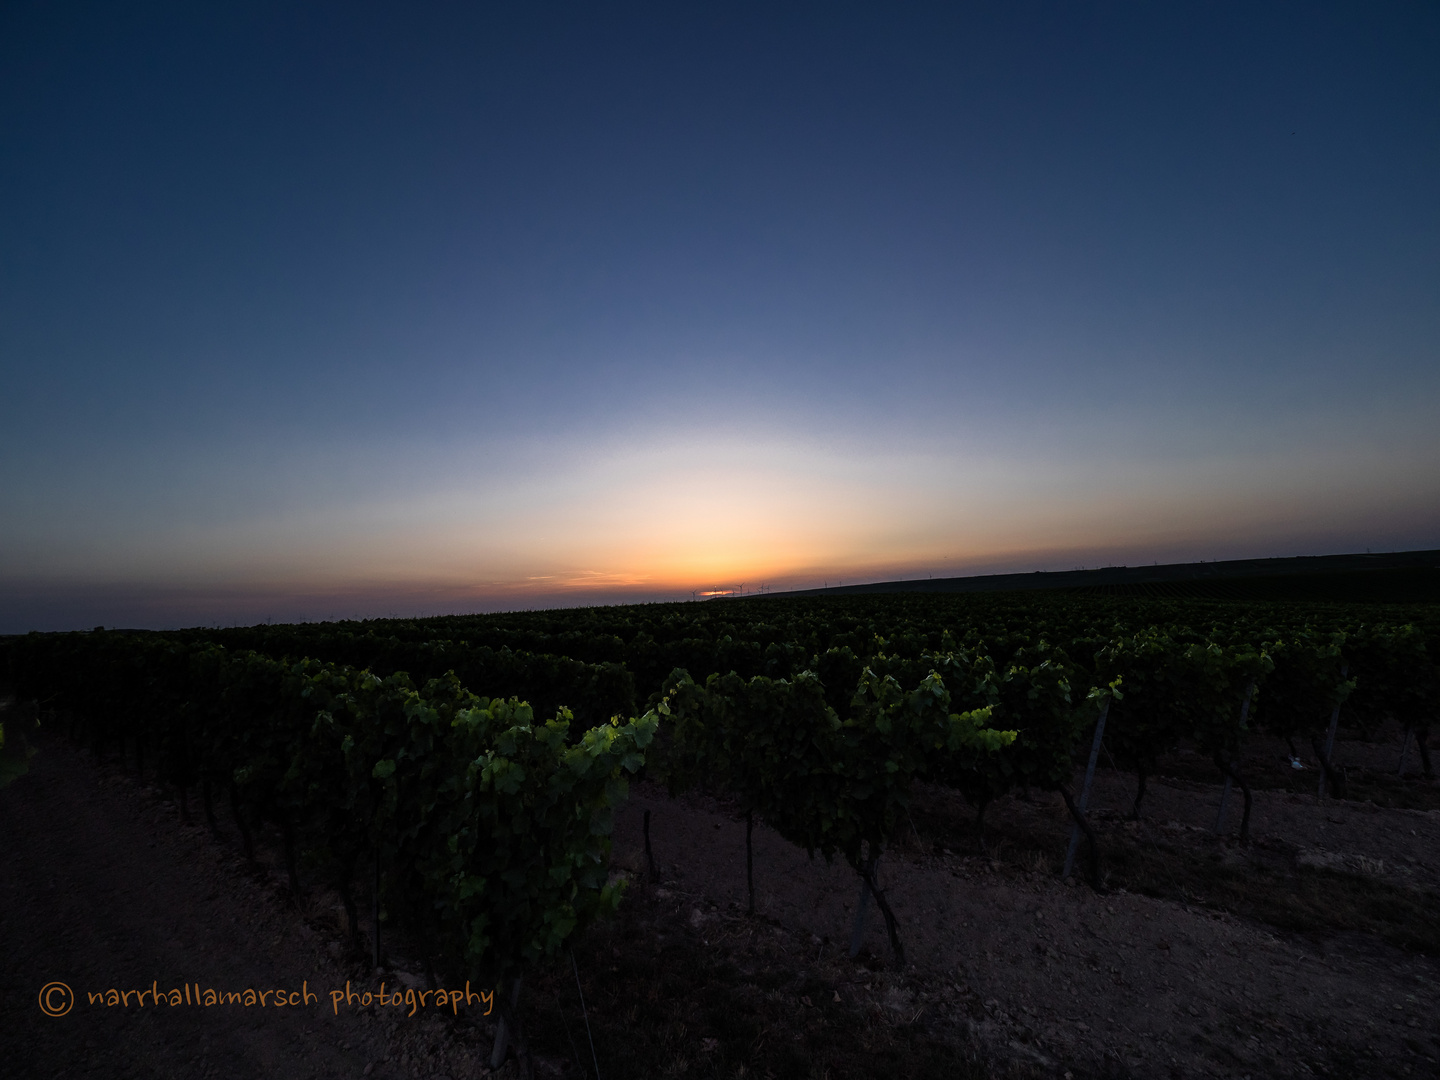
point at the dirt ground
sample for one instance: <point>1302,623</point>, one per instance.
<point>1313,950</point>
<point>103,887</point>
<point>1123,982</point>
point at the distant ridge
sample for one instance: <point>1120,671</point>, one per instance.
<point>1388,576</point>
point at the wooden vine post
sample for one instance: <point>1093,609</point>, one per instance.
<point>502,1029</point>
<point>1085,789</point>
<point>862,911</point>
<point>649,856</point>
<point>1225,791</point>
<point>1326,761</point>
<point>750,858</point>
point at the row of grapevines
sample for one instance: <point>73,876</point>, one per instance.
<point>776,743</point>
<point>592,692</point>
<point>831,783</point>
<point>489,829</point>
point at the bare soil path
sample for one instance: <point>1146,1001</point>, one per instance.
<point>1120,984</point>
<point>102,887</point>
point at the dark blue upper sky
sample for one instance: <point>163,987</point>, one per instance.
<point>481,296</point>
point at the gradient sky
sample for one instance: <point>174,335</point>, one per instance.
<point>352,309</point>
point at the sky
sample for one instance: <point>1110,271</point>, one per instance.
<point>314,310</point>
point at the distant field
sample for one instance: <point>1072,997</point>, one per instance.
<point>1392,577</point>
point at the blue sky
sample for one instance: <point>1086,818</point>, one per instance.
<point>359,309</point>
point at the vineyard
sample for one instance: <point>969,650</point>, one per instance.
<point>457,780</point>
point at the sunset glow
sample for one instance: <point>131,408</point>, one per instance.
<point>555,312</point>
